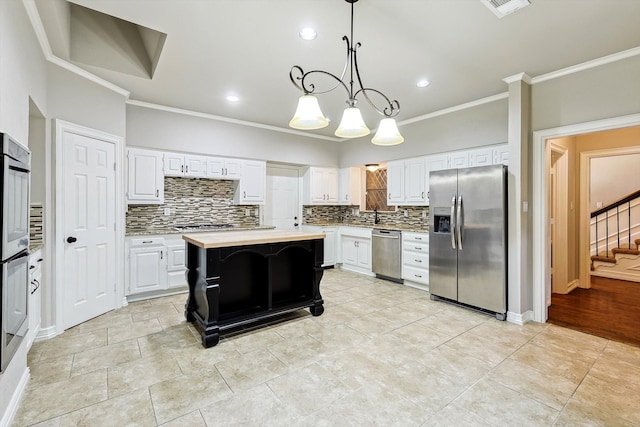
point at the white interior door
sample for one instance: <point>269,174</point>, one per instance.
<point>281,204</point>
<point>89,228</point>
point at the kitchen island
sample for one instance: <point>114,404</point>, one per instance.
<point>242,278</point>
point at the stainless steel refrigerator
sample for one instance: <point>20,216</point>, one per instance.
<point>468,237</point>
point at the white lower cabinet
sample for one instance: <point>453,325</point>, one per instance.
<point>356,249</point>
<point>35,295</point>
<point>156,266</point>
<point>415,259</point>
<point>330,249</point>
<point>176,259</point>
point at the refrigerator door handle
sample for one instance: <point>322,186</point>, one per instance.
<point>459,220</point>
<point>452,226</point>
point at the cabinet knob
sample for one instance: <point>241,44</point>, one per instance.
<point>71,239</point>
<point>157,192</point>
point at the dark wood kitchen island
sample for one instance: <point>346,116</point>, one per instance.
<point>242,278</point>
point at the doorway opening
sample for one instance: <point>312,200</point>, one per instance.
<point>542,188</point>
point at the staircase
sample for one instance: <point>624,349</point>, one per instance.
<point>615,239</point>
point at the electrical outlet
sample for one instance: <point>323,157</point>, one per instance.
<point>256,212</point>
<point>406,213</point>
<point>424,213</point>
<point>308,212</point>
<point>167,211</point>
<point>247,212</point>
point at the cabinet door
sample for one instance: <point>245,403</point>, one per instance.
<point>147,269</point>
<point>173,164</point>
<point>215,167</point>
<point>195,166</point>
<point>176,265</point>
<point>253,183</point>
<point>437,162</point>
<point>344,182</point>
<point>501,155</point>
<point>329,246</point>
<point>415,181</point>
<point>363,248</point>
<point>395,183</point>
<point>331,185</point>
<point>459,160</point>
<point>317,186</point>
<point>232,169</point>
<point>481,157</point>
<point>349,251</point>
<point>146,180</point>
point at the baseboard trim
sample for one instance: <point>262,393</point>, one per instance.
<point>572,285</point>
<point>12,408</point>
<point>520,319</point>
<point>46,333</point>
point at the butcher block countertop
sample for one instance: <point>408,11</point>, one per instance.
<point>250,237</point>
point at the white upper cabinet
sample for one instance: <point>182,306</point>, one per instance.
<point>501,154</point>
<point>350,186</point>
<point>221,168</point>
<point>481,157</point>
<point>406,182</point>
<point>415,181</point>
<point>320,186</point>
<point>395,183</point>
<point>145,178</point>
<point>459,159</point>
<point>188,165</point>
<point>253,184</point>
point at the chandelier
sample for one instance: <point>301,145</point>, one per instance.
<point>308,115</point>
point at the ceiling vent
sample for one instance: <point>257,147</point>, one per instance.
<point>505,7</point>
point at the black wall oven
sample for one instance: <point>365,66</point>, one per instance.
<point>14,249</point>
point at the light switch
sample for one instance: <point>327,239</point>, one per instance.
<point>525,206</point>
<point>598,205</point>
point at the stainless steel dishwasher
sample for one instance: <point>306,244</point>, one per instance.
<point>386,248</point>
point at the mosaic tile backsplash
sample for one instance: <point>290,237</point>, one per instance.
<point>191,202</point>
<point>417,216</point>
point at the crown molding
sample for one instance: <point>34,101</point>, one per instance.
<point>524,77</point>
<point>455,108</point>
<point>587,65</point>
<point>168,109</point>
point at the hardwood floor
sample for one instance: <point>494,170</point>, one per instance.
<point>610,309</point>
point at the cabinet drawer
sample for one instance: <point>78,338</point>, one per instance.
<point>415,259</point>
<point>148,241</point>
<point>415,237</point>
<point>419,275</point>
<point>415,247</point>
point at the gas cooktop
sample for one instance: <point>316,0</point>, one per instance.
<point>202,227</point>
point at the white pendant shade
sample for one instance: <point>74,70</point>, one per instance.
<point>308,114</point>
<point>352,125</point>
<point>387,133</point>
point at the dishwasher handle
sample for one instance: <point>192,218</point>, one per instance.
<point>386,236</point>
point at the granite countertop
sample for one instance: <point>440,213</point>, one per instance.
<point>408,228</point>
<point>247,237</point>
<point>174,231</point>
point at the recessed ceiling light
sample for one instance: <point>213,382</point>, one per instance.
<point>423,83</point>
<point>308,33</point>
<point>233,98</point>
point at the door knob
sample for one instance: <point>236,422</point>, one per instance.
<point>71,239</point>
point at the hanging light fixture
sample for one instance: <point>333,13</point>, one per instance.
<point>308,115</point>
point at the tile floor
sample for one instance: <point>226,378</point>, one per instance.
<point>381,354</point>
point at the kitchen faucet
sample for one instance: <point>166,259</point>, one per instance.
<point>376,220</point>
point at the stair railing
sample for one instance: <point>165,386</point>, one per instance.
<point>613,210</point>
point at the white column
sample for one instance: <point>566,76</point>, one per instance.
<point>519,288</point>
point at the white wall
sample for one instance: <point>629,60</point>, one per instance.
<point>613,178</point>
<point>152,128</point>
<point>473,127</point>
<point>611,90</point>
<point>22,75</point>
